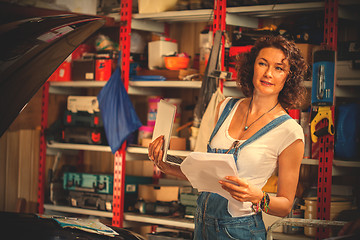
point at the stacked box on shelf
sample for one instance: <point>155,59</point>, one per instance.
<point>348,61</point>
<point>132,183</point>
<point>188,197</point>
<point>91,191</point>
<point>159,199</point>
<point>87,182</point>
<point>157,193</point>
<point>91,200</point>
<point>100,183</point>
<point>132,189</point>
<point>82,121</point>
<point>95,191</point>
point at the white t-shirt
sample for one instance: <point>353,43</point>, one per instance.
<point>257,161</point>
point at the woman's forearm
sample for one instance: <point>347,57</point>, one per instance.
<point>175,170</point>
<point>279,206</point>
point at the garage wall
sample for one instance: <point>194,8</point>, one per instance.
<point>19,160</point>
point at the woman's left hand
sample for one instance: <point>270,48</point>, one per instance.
<point>241,190</point>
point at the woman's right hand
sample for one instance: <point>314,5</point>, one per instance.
<point>156,153</point>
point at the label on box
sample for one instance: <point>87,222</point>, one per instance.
<point>73,202</point>
<point>88,104</point>
<point>108,206</point>
<point>130,188</point>
<point>89,75</point>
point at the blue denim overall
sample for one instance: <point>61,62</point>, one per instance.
<point>212,219</point>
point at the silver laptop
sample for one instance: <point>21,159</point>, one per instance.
<point>163,126</point>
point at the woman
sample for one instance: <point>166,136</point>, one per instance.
<point>262,137</point>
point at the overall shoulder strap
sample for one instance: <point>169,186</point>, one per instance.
<point>223,116</point>
<point>271,125</point>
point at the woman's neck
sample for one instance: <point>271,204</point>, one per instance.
<point>261,104</point>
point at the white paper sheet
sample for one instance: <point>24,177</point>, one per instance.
<point>204,170</point>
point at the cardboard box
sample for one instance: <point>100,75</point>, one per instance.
<point>62,73</point>
<point>83,69</point>
<point>156,51</point>
<point>144,168</point>
<point>177,143</point>
<point>132,183</point>
<point>169,74</point>
<point>153,193</point>
<point>185,72</point>
<point>307,51</point>
<point>148,6</point>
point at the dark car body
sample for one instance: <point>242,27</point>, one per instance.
<point>30,51</point>
<point>32,45</point>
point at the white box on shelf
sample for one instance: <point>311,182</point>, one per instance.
<point>88,104</point>
<point>157,49</point>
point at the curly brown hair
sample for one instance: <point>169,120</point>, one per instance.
<point>293,93</point>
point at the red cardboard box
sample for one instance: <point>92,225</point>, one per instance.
<point>62,73</point>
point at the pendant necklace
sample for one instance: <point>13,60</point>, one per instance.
<point>247,127</point>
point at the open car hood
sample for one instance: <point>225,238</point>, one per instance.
<point>30,51</point>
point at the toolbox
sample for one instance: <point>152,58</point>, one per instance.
<point>90,200</point>
<point>86,135</point>
<point>82,119</point>
<point>160,208</point>
<point>87,182</point>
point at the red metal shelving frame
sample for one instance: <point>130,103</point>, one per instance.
<point>42,151</point>
<point>326,143</point>
<point>119,159</point>
<point>219,23</point>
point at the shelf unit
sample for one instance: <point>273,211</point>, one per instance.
<point>337,169</point>
<point>54,146</point>
<point>343,89</point>
<point>225,15</point>
<point>141,22</point>
<point>339,166</point>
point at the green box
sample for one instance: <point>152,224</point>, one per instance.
<point>132,183</point>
